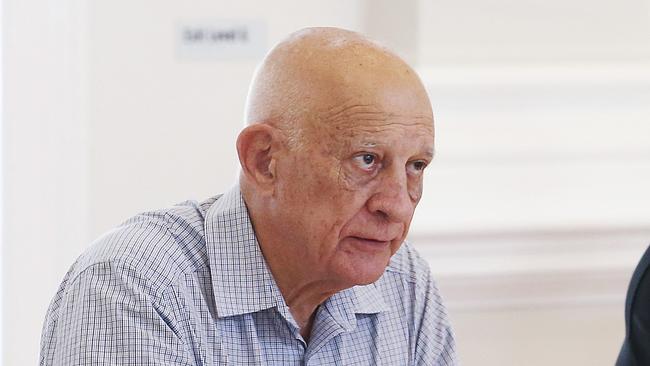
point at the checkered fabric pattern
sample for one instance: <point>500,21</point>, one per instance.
<point>189,286</point>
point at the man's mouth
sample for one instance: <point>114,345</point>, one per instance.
<point>378,240</point>
<point>375,243</point>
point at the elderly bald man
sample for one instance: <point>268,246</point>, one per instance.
<point>302,262</point>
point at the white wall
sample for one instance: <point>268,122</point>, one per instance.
<point>1,168</point>
<point>163,125</point>
<point>539,182</point>
<point>45,211</point>
<point>475,32</point>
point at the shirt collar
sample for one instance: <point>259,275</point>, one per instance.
<point>344,305</point>
<point>369,300</point>
<point>241,279</point>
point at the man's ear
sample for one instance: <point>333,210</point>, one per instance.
<point>256,146</point>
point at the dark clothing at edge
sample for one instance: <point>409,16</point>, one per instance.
<point>636,347</point>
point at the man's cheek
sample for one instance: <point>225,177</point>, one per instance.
<point>415,191</point>
<point>353,180</point>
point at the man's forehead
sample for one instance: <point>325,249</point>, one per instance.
<point>418,136</point>
<point>371,118</point>
<point>361,127</point>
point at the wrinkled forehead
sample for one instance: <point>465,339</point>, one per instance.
<point>373,103</point>
<point>367,126</point>
<point>373,117</point>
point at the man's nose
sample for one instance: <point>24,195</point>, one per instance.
<point>391,198</point>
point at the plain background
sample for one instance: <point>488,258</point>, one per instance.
<point>535,211</point>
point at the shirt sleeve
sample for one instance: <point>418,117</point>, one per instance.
<point>107,317</point>
<point>434,345</point>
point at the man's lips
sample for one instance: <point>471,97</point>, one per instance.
<point>373,242</point>
<point>370,239</point>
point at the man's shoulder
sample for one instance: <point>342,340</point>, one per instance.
<point>160,245</point>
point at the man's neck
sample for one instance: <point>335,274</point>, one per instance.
<point>303,287</point>
<point>303,297</point>
<point>303,290</point>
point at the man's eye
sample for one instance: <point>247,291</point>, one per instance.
<point>417,166</point>
<point>365,161</point>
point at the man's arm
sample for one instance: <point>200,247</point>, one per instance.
<point>107,317</point>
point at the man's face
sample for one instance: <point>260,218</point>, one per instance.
<point>347,193</point>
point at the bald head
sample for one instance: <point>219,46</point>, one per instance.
<point>317,69</point>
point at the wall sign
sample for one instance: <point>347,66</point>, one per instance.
<point>222,40</point>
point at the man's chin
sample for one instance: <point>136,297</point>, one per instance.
<point>360,274</point>
<point>369,280</point>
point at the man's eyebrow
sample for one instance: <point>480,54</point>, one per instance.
<point>429,153</point>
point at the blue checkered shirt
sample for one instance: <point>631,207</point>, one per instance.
<point>189,286</point>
